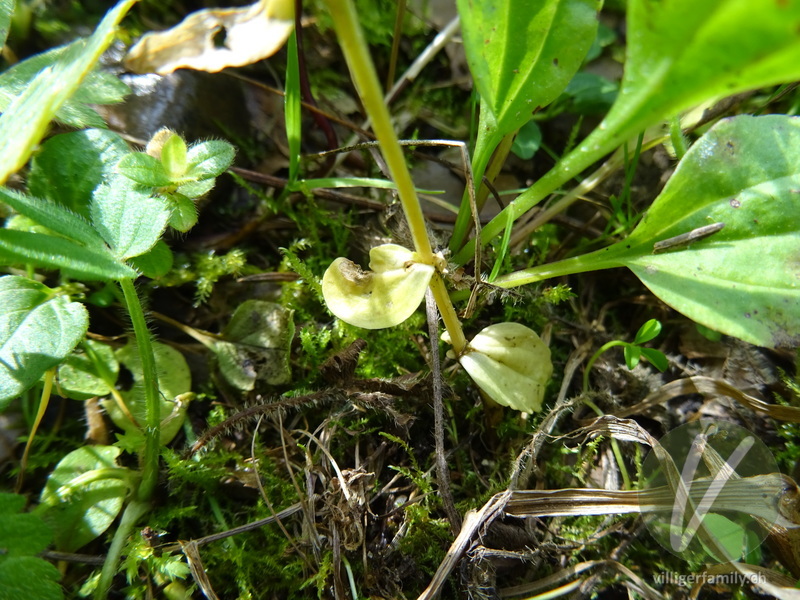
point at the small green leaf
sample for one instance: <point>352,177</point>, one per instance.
<point>195,189</point>
<point>54,217</point>
<point>37,331</point>
<point>68,167</point>
<point>144,169</point>
<point>184,212</point>
<point>656,358</point>
<point>50,252</point>
<point>589,94</point>
<point>25,120</point>
<point>209,159</point>
<point>728,534</point>
<point>89,371</point>
<point>528,140</point>
<point>82,496</point>
<point>173,157</point>
<point>130,220</point>
<point>156,262</point>
<point>256,346</point>
<point>174,380</point>
<point>632,355</point>
<point>648,331</point>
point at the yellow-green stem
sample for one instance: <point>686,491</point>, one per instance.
<point>356,53</point>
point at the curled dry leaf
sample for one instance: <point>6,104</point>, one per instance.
<point>511,364</point>
<point>215,38</point>
<point>384,296</point>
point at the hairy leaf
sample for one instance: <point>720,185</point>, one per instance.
<point>51,252</point>
<point>69,167</point>
<point>130,220</point>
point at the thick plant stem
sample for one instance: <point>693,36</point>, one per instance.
<point>358,59</point>
<point>130,516</point>
<point>152,431</point>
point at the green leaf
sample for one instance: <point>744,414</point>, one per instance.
<point>173,157</point>
<point>47,251</point>
<point>29,577</point>
<point>656,358</point>
<point>23,575</point>
<point>743,279</point>
<point>184,212</point>
<point>24,122</point>
<point>589,93</point>
<point>523,53</point>
<point>90,371</point>
<point>195,189</point>
<point>209,159</point>
<point>68,167</point>
<point>174,380</point>
<point>632,355</point>
<point>130,220</point>
<point>257,345</point>
<point>528,140</point>
<point>98,87</point>
<point>37,331</point>
<point>6,10</point>
<point>83,495</point>
<point>728,534</point>
<point>54,217</point>
<point>144,169</point>
<point>680,53</point>
<point>648,331</point>
<point>21,534</point>
<point>156,262</point>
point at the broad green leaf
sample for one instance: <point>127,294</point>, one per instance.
<point>68,167</point>
<point>37,331</point>
<point>744,280</point>
<point>6,10</point>
<point>89,371</point>
<point>528,140</point>
<point>656,358</point>
<point>54,217</point>
<point>51,252</point>
<point>83,495</point>
<point>523,53</point>
<point>21,534</point>
<point>156,262</point>
<point>256,346</point>
<point>680,53</point>
<point>130,220</point>
<point>29,577</point>
<point>24,122</point>
<point>99,87</point>
<point>144,169</point>
<point>174,380</point>
<point>209,159</point>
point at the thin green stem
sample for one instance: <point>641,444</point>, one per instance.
<point>593,360</point>
<point>152,429</point>
<point>356,53</point>
<point>130,516</point>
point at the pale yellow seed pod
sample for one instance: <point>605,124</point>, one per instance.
<point>511,364</point>
<point>384,296</point>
